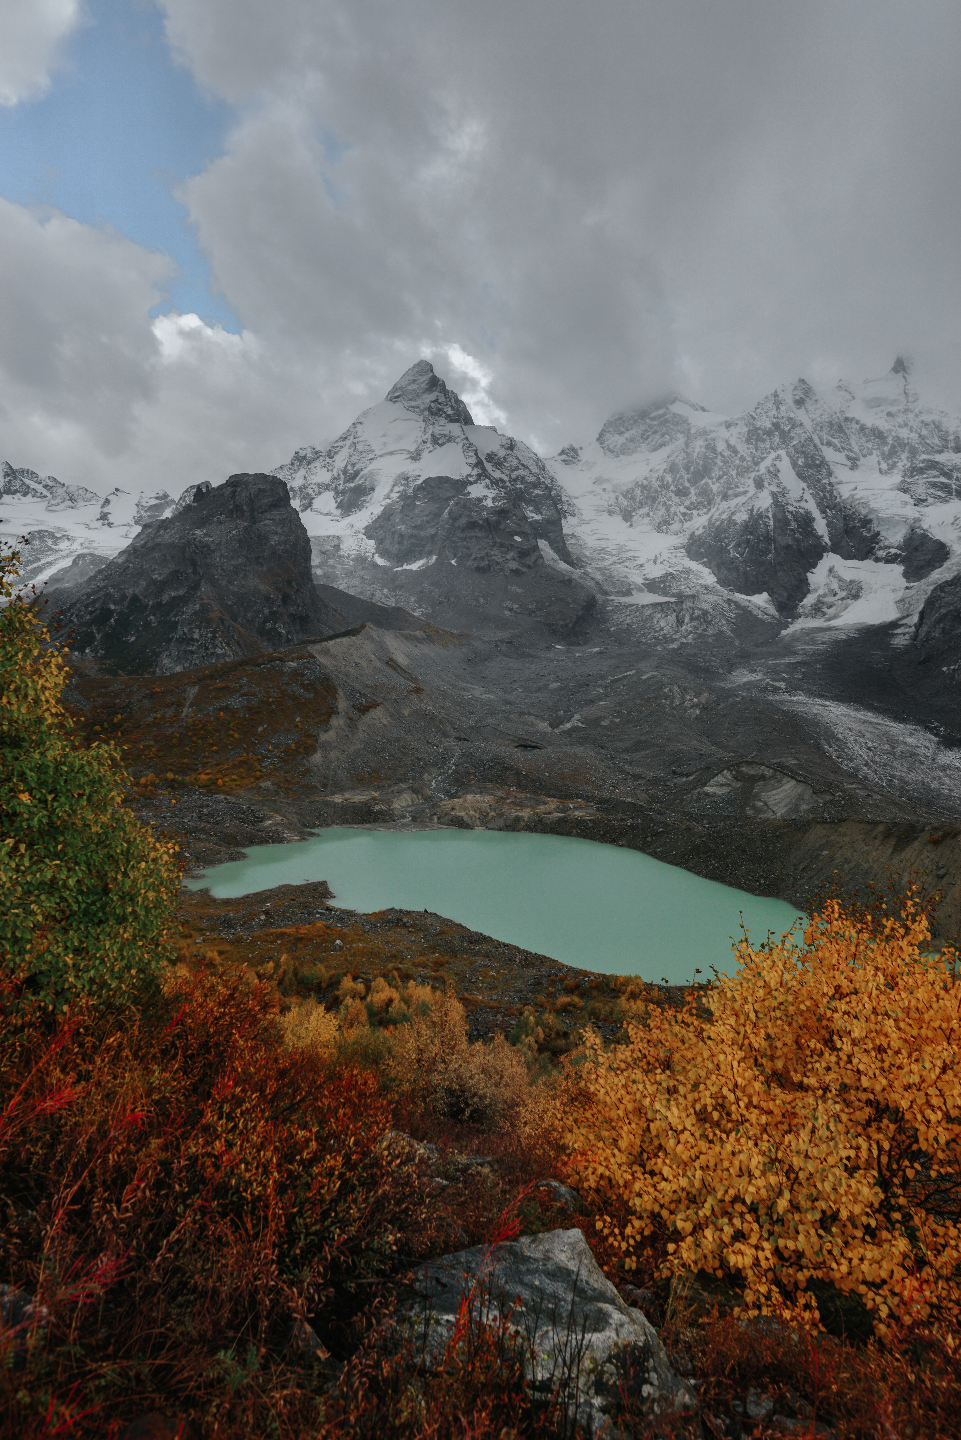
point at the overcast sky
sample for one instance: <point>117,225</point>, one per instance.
<point>226,226</point>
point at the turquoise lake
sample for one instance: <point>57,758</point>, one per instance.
<point>597,906</point>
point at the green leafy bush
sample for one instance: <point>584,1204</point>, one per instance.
<point>88,892</point>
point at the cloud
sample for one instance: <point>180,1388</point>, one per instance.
<point>76,350</point>
<point>567,208</point>
<point>32,33</point>
<point>596,203</point>
<point>93,390</point>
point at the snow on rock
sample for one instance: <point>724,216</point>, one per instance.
<point>837,505</point>
<point>414,504</point>
<point>65,523</point>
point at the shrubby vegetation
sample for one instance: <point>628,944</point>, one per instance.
<point>417,1037</point>
<point>88,893</point>
<point>803,1138</point>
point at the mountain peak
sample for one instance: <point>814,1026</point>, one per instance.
<point>645,427</point>
<point>420,390</point>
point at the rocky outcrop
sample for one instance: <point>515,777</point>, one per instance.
<point>937,633</point>
<point>440,520</point>
<point>767,542</point>
<point>574,1333</point>
<point>918,553</point>
<point>227,576</point>
<point>420,390</point>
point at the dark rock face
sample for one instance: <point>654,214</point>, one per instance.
<point>920,554</point>
<point>492,537</point>
<point>406,529</point>
<point>227,576</point>
<point>938,631</point>
<point>767,542</point>
<point>421,390</point>
<point>439,520</point>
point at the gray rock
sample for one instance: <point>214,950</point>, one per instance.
<point>227,576</point>
<point>577,1336</point>
<point>937,633</point>
<point>757,1405</point>
<point>420,390</point>
<point>561,1194</point>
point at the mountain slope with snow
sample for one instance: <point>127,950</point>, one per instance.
<point>70,530</point>
<point>808,510</point>
<point>843,509</point>
<point>416,505</point>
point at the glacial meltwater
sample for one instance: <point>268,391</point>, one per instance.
<point>597,906</point>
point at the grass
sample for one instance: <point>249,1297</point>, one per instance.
<point>223,727</point>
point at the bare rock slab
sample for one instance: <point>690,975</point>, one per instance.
<point>577,1335</point>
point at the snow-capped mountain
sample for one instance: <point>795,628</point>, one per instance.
<point>70,530</point>
<point>374,491</point>
<point>807,510</point>
<point>415,504</point>
<point>842,509</point>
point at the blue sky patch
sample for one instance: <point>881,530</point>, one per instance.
<point>120,128</point>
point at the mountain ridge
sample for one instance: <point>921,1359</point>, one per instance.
<point>676,522</point>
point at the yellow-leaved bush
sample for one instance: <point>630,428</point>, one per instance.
<point>418,1037</point>
<point>802,1137</point>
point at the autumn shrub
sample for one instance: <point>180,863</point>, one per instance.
<point>88,892</point>
<point>803,1140</point>
<point>177,1188</point>
<point>417,1037</point>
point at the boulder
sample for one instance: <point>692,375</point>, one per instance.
<point>228,575</point>
<point>575,1334</point>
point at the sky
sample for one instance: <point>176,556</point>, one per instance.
<point>226,227</point>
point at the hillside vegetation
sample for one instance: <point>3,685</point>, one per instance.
<point>213,1181</point>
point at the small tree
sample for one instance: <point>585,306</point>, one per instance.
<point>87,891</point>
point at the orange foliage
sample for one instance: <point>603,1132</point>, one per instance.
<point>806,1134</point>
<point>177,1189</point>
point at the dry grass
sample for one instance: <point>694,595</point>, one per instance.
<point>222,727</point>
